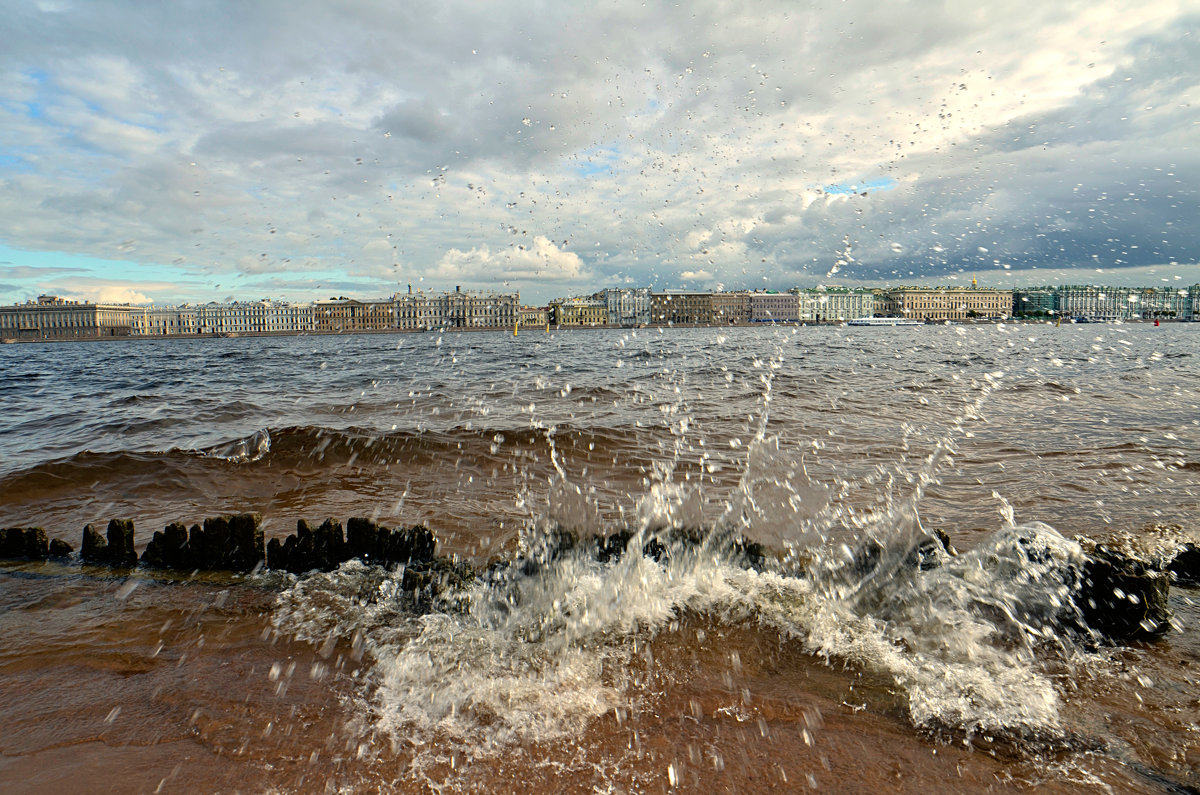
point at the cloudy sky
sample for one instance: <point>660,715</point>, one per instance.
<point>204,150</point>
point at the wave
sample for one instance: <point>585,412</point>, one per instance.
<point>306,447</point>
<point>537,653</point>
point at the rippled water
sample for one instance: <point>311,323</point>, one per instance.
<point>632,675</point>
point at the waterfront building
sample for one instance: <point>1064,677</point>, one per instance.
<point>1091,302</point>
<point>731,309</point>
<point>1160,302</point>
<point>824,304</point>
<point>419,311</point>
<point>338,315</point>
<point>579,312</point>
<point>772,307</point>
<point>627,306</point>
<point>163,321</point>
<point>54,318</point>
<point>681,307</point>
<point>284,317</point>
<point>466,309</point>
<point>946,303</point>
<point>1035,302</point>
<point>535,316</point>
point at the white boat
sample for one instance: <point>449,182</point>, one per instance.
<point>885,321</point>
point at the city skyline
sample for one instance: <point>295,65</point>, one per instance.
<point>177,154</point>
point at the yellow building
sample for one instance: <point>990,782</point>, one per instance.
<point>945,303</point>
<point>535,316</point>
<point>579,312</point>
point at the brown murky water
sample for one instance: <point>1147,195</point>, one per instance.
<point>632,677</point>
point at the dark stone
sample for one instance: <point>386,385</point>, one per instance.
<point>362,540</point>
<point>751,553</point>
<point>369,542</point>
<point>612,547</point>
<point>94,548</point>
<point>24,542</point>
<point>245,551</point>
<point>437,575</point>
<point>1185,568</point>
<point>275,558</point>
<point>208,546</point>
<point>168,549</point>
<point>322,549</point>
<point>36,543</point>
<point>12,542</point>
<point>120,543</point>
<point>415,545</point>
<point>329,547</point>
<point>60,548</point>
<point>655,549</point>
<point>1122,598</point>
<point>226,543</point>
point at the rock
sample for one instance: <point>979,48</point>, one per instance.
<point>168,549</point>
<point>95,548</point>
<point>437,575</point>
<point>275,558</point>
<point>655,549</point>
<point>1185,568</point>
<point>1122,598</point>
<point>415,545</point>
<point>227,543</point>
<point>60,548</point>
<point>36,543</point>
<point>120,543</point>
<point>612,547</point>
<point>322,549</point>
<point>750,553</point>
<point>362,540</point>
<point>245,551</point>
<point>12,542</point>
<point>23,542</point>
<point>207,544</point>
<point>329,547</point>
<point>371,543</point>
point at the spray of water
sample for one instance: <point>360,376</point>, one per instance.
<point>540,647</point>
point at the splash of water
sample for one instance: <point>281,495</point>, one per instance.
<point>539,648</point>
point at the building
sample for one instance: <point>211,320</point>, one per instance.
<point>1161,302</point>
<point>163,321</point>
<point>579,312</point>
<point>465,309</point>
<point>823,304</point>
<point>772,307</point>
<point>419,311</point>
<point>945,303</point>
<point>627,306</point>
<point>535,316</point>
<point>681,308</point>
<point>1035,302</point>
<point>54,318</point>
<point>730,309</point>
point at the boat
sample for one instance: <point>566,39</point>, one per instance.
<point>885,321</point>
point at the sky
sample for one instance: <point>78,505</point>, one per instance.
<point>187,151</point>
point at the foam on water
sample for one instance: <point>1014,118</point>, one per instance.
<point>532,657</point>
<point>536,652</point>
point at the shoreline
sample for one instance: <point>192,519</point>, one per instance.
<point>536,329</point>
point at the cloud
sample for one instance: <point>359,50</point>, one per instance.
<point>539,260</point>
<point>389,142</point>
